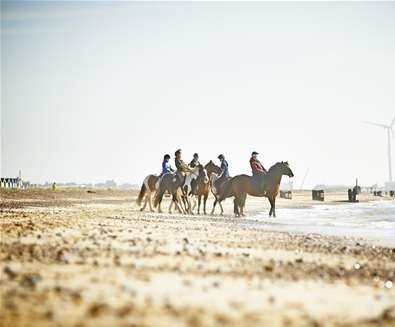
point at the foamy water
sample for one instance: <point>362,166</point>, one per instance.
<point>374,221</point>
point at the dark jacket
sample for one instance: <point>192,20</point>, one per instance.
<point>194,163</point>
<point>225,169</point>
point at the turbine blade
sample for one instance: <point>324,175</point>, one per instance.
<point>375,124</point>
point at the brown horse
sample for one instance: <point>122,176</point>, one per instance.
<point>201,186</point>
<point>172,184</point>
<point>148,188</point>
<point>241,185</point>
<point>213,172</point>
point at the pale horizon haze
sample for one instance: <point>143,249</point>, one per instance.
<point>92,91</point>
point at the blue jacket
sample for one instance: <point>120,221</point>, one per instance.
<point>166,168</point>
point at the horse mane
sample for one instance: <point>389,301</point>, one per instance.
<point>276,165</point>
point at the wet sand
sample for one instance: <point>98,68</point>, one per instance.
<point>73,258</point>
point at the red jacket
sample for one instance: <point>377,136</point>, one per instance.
<point>257,167</point>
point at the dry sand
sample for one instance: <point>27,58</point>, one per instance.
<point>72,258</point>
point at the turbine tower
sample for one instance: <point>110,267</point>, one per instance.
<point>389,131</point>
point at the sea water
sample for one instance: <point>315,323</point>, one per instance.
<point>374,221</point>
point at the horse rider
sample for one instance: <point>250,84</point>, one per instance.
<point>195,161</point>
<point>258,171</point>
<point>224,174</point>
<point>181,166</point>
<point>166,166</point>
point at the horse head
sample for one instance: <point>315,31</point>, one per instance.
<point>282,168</point>
<point>203,174</point>
<point>211,167</point>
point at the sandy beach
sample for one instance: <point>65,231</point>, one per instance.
<point>74,257</point>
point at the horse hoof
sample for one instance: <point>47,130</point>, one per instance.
<point>141,209</point>
<point>152,210</point>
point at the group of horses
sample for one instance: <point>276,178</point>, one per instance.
<point>193,185</point>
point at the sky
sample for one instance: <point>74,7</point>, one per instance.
<point>92,91</point>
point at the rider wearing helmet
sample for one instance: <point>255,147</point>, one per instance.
<point>224,174</point>
<point>256,166</point>
<point>166,166</point>
<point>258,171</point>
<point>181,166</point>
<point>195,161</point>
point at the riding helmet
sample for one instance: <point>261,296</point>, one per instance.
<point>221,156</point>
<point>254,153</point>
<point>177,152</point>
<point>167,156</point>
<point>195,155</point>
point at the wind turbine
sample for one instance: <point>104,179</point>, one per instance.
<point>389,131</point>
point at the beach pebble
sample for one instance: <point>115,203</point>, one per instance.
<point>388,284</point>
<point>30,280</point>
<point>357,266</point>
<point>9,272</point>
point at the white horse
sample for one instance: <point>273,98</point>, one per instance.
<point>190,176</point>
<point>213,178</point>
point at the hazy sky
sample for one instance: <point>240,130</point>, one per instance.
<point>102,90</point>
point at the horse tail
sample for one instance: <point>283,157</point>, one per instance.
<point>143,190</point>
<point>141,194</point>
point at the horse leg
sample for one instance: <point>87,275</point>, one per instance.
<point>194,203</point>
<point>181,201</point>
<point>160,197</point>
<point>242,204</point>
<point>236,207</point>
<point>145,203</point>
<point>222,209</point>
<point>271,206</point>
<point>199,202</point>
<point>215,203</point>
<point>274,207</point>
<point>150,201</point>
<point>189,199</point>
<point>204,203</point>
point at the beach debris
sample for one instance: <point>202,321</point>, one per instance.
<point>357,266</point>
<point>388,284</point>
<point>9,272</point>
<point>30,280</point>
<point>97,309</point>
